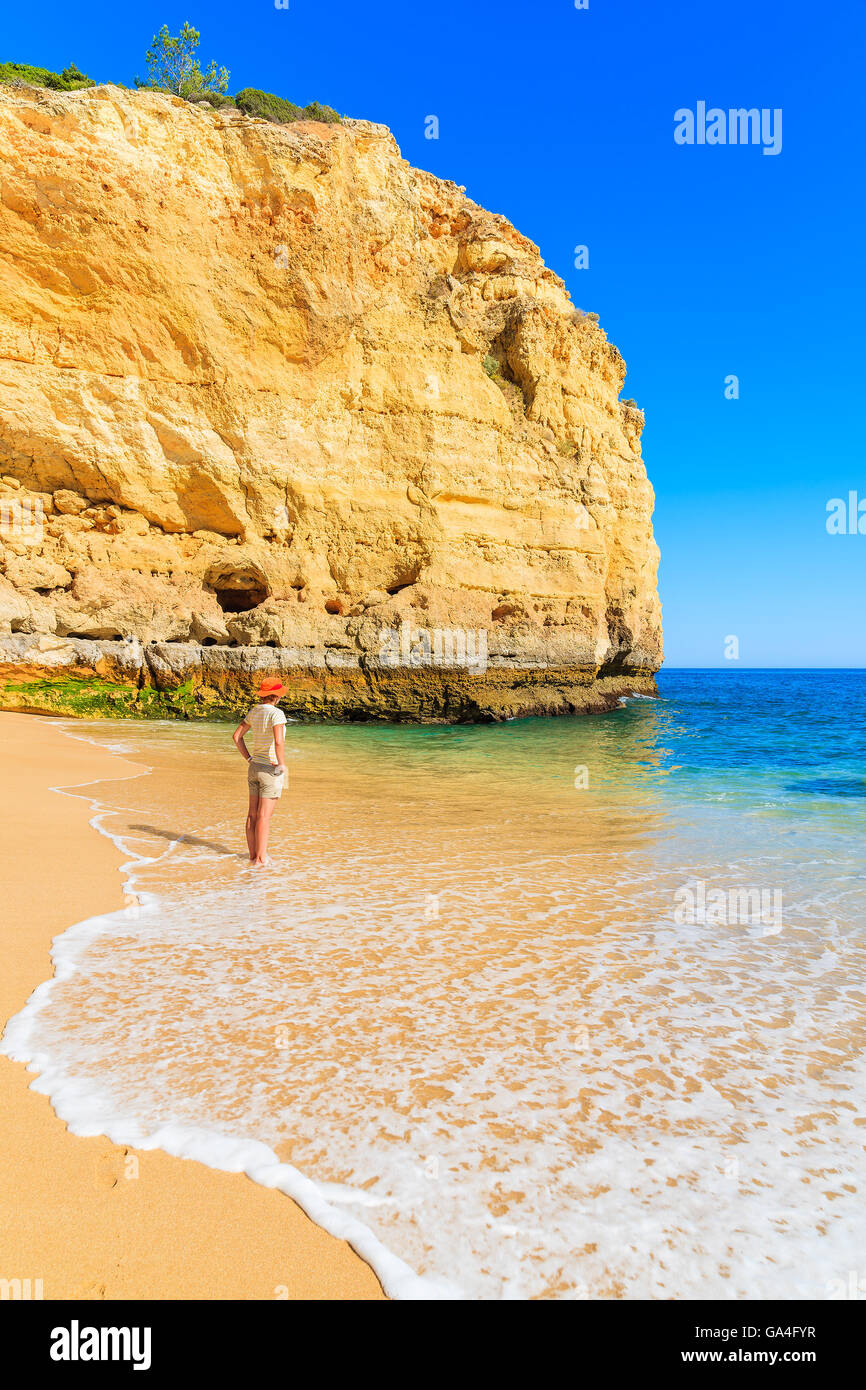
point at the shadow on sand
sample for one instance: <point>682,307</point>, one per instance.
<point>188,840</point>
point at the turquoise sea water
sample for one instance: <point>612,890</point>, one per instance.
<point>565,1009</point>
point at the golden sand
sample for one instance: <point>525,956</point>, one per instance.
<point>78,1214</point>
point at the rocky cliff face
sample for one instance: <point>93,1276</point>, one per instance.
<point>274,402</point>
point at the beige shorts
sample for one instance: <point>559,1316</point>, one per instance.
<point>262,778</point>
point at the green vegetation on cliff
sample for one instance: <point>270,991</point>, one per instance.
<point>69,80</point>
<point>172,67</point>
<point>281,112</point>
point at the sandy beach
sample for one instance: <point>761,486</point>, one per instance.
<point>474,1018</point>
<point>77,1213</point>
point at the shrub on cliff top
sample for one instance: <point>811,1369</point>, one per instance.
<point>69,80</point>
<point>269,107</point>
<point>316,112</point>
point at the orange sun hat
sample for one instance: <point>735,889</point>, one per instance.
<point>273,686</point>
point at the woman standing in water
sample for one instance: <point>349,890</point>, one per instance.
<point>267,764</point>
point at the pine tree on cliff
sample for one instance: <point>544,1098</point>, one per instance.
<point>173,67</point>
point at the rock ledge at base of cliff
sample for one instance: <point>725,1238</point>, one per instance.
<point>274,402</point>
<point>126,680</point>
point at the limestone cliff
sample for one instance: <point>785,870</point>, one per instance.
<point>272,401</point>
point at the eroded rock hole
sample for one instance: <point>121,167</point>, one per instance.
<point>240,600</point>
<point>238,588</point>
<point>496,362</point>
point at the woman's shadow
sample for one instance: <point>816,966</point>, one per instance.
<point>185,839</point>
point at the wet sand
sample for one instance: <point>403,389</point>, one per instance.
<point>87,1218</point>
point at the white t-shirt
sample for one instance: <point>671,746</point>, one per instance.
<point>263,719</point>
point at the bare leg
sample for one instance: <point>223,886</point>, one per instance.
<point>263,826</point>
<point>252,817</point>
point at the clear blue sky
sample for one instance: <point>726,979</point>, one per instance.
<point>704,261</point>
